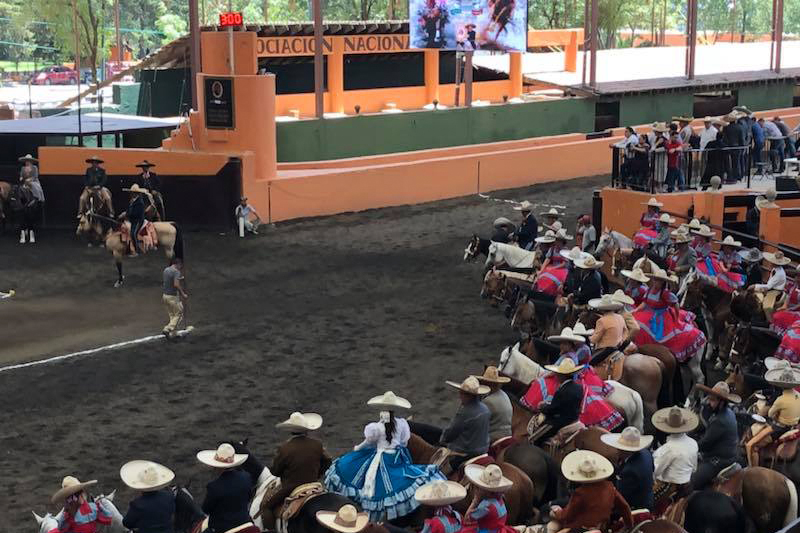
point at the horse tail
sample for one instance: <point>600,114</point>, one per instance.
<point>177,248</point>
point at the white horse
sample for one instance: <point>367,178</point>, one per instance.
<point>613,239</point>
<point>265,481</point>
<point>515,364</point>
<point>506,254</point>
<point>49,522</point>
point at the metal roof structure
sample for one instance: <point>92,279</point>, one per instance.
<point>90,124</point>
<point>301,29</point>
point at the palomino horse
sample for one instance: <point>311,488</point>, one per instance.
<point>512,256</point>
<point>170,238</point>
<point>516,365</point>
<point>518,499</point>
<point>49,522</point>
<point>767,496</point>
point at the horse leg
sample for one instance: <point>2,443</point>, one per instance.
<point>120,277</point>
<point>696,376</point>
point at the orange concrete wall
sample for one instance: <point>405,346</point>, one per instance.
<point>539,38</point>
<point>679,39</point>
<point>790,231</point>
<point>622,208</point>
<point>71,160</point>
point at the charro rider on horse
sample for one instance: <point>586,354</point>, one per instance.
<point>80,515</point>
<point>95,178</point>
<point>720,440</point>
<point>783,415</point>
<point>228,497</point>
<point>529,226</point>
<point>153,510</point>
<point>140,201</point>
<point>150,181</point>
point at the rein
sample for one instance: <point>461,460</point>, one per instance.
<point>103,218</point>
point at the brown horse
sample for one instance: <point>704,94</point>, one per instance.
<point>711,305</point>
<point>5,194</point>
<point>170,238</point>
<point>658,526</point>
<point>767,496</point>
<point>519,499</point>
<point>494,287</point>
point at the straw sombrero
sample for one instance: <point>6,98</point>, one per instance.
<point>489,477</point>
<point>301,422</point>
<point>783,378</point>
<point>637,274</point>
<point>695,224</point>
<point>548,237</point>
<point>666,219</point>
<point>704,231</point>
<point>584,466</point>
<point>492,375</point>
<point>145,476</point>
<point>660,273</point>
<point>682,119</point>
<point>562,235</point>
<point>682,238</point>
<point>440,493</point>
<point>659,127</point>
<point>620,296</point>
<point>630,440</point>
<point>567,334</point>
<point>389,401</point>
<point>777,258</point>
<point>729,241</point>
<point>223,457</point>
<point>580,329</point>
<point>683,229</point>
<point>605,303</point>
<point>471,385</point>
<point>753,255</point>
<point>70,485</point>
<point>346,520</point>
<point>524,206</point>
<point>773,362</point>
<point>555,226</point>
<point>573,254</point>
<point>28,157</point>
<point>135,189</point>
<point>675,420</point>
<point>719,122</point>
<point>652,202</point>
<point>720,390</point>
<point>567,366</point>
<point>588,263</point>
<point>553,212</point>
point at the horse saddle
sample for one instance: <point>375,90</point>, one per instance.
<point>499,446</point>
<point>147,236</point>
<point>612,367</point>
<point>727,473</point>
<point>564,436</point>
<point>786,445</point>
<point>298,498</point>
<point>441,458</point>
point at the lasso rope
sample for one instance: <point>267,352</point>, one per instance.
<point>517,203</point>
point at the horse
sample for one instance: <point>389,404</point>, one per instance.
<point>264,479</point>
<point>518,498</point>
<point>658,526</point>
<point>709,511</point>
<point>189,516</point>
<point>170,238</point>
<point>609,249</point>
<point>5,192</point>
<point>476,247</point>
<point>767,496</point>
<point>94,223</point>
<point>513,256</point>
<point>710,303</point>
<point>25,208</point>
<point>494,287</point>
<point>624,399</point>
<point>537,465</point>
<point>48,522</point>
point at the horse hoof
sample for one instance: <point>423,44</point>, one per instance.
<point>89,245</point>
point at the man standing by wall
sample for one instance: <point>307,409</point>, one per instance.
<point>173,295</point>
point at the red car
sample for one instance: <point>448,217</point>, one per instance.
<point>55,75</point>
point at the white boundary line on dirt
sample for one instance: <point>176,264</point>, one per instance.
<point>123,344</point>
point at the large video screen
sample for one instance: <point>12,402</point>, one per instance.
<point>469,24</point>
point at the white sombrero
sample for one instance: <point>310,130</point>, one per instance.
<point>695,224</point>
<point>573,254</point>
<point>548,237</point>
<point>567,366</point>
<point>562,235</point>
<point>605,303</point>
<point>773,362</point>
<point>620,296</point>
<point>682,238</point>
<point>580,329</point>
<point>729,241</point>
<point>675,420</point>
<point>555,226</point>
<point>704,231</point>
<point>471,385</point>
<point>145,476</point>
<point>652,202</point>
<point>298,421</point>
<point>70,485</point>
<point>346,520</point>
<point>389,401</point>
<point>777,258</point>
<point>666,219</point>
<point>524,206</point>
<point>223,457</point>
<point>630,440</point>
<point>584,466</point>
<point>440,493</point>
<point>660,273</point>
<point>567,334</point>
<point>552,212</point>
<point>783,378</point>
<point>489,477</point>
<point>589,263</point>
<point>637,274</point>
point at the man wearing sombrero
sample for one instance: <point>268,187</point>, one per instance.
<point>299,460</point>
<point>529,226</point>
<point>153,510</point>
<point>140,201</point>
<point>720,440</point>
<point>227,501</point>
<point>776,284</point>
<point>500,410</point>
<point>635,468</point>
<point>565,406</point>
<point>675,461</point>
<point>95,178</point>
<point>80,514</point>
<point>783,415</point>
<point>29,178</point>
<point>147,179</point>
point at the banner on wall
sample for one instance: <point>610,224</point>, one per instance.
<point>469,24</point>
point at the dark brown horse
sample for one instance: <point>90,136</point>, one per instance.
<point>658,526</point>
<point>519,498</point>
<point>767,496</point>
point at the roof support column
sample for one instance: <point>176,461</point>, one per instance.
<point>691,37</point>
<point>319,95</point>
<point>336,76</point>
<point>515,74</point>
<point>593,43</point>
<point>431,75</point>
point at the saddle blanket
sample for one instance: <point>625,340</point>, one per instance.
<point>148,238</point>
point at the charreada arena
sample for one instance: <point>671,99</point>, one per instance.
<point>446,274</point>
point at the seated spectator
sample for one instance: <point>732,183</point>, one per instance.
<point>247,218</point>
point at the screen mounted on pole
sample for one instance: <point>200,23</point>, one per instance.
<point>499,25</point>
<point>230,19</point>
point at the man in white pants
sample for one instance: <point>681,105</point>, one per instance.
<point>173,295</point>
<point>247,218</point>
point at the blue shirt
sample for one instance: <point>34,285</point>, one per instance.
<point>758,133</point>
<point>635,480</point>
<point>151,512</point>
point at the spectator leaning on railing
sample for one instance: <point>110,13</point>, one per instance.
<point>789,149</point>
<point>627,144</point>
<point>758,141</point>
<point>776,146</point>
<point>674,148</point>
<point>734,137</point>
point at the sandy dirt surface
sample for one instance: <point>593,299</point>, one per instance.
<point>316,315</point>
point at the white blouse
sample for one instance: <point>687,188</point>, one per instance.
<point>375,435</point>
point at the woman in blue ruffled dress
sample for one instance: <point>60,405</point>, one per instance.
<point>378,474</point>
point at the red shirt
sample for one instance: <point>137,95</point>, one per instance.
<point>672,157</point>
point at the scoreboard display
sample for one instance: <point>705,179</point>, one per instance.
<point>230,19</point>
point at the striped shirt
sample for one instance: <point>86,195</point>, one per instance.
<point>87,519</point>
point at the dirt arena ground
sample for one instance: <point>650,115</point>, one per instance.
<point>317,315</point>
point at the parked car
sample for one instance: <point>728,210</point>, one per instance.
<point>55,76</point>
